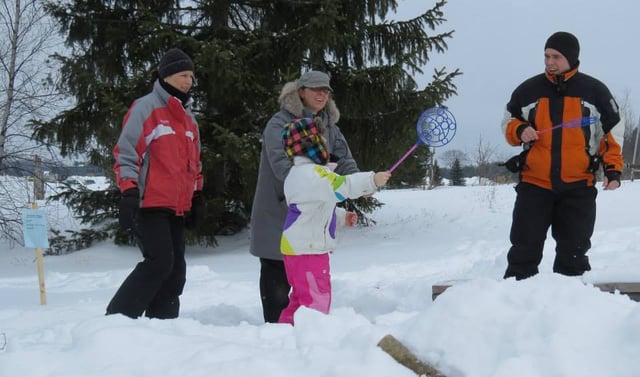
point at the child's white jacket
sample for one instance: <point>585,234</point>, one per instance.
<point>311,192</point>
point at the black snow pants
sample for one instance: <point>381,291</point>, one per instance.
<point>571,215</point>
<point>155,284</point>
<point>274,289</point>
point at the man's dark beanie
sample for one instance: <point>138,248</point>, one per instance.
<point>567,44</point>
<point>174,61</point>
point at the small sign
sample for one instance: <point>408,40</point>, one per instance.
<point>34,228</point>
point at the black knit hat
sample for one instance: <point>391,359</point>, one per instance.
<point>567,44</point>
<point>174,61</point>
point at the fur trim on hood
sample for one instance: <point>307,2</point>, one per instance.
<point>290,101</point>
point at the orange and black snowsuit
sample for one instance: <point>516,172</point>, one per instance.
<point>563,158</point>
<point>557,180</point>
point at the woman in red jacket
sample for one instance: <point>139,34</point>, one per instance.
<point>557,176</point>
<point>158,171</point>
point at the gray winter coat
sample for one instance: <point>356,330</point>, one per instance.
<point>269,206</point>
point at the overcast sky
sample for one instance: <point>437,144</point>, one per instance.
<point>497,44</point>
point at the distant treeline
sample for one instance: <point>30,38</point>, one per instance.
<point>21,167</point>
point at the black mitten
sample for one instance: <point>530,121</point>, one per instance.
<point>195,217</point>
<point>129,205</point>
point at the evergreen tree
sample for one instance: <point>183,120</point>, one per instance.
<point>244,52</point>
<point>457,175</point>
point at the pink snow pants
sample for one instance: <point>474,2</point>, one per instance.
<point>310,280</point>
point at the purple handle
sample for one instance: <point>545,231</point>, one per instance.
<point>573,123</point>
<point>553,128</point>
<point>404,157</point>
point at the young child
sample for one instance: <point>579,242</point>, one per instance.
<point>311,191</point>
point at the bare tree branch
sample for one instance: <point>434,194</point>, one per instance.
<point>483,154</point>
<point>27,92</point>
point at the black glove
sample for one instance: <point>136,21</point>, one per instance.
<point>612,175</point>
<point>195,217</point>
<point>129,205</point>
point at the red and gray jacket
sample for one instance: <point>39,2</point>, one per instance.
<point>158,151</point>
<point>563,157</point>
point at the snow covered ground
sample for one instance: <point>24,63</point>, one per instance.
<point>483,326</point>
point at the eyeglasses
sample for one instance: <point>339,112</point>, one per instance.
<point>323,90</point>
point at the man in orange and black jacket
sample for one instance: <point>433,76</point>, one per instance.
<point>569,124</point>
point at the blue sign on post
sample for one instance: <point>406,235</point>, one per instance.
<point>34,228</point>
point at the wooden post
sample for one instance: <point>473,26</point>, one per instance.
<point>635,151</point>
<point>43,293</point>
<point>404,356</point>
<point>38,179</point>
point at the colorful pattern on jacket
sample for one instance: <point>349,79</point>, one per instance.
<point>159,152</point>
<point>312,192</point>
<point>561,158</point>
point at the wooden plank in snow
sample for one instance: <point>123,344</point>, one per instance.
<point>631,289</point>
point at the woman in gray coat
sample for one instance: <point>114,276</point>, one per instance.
<point>307,97</point>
